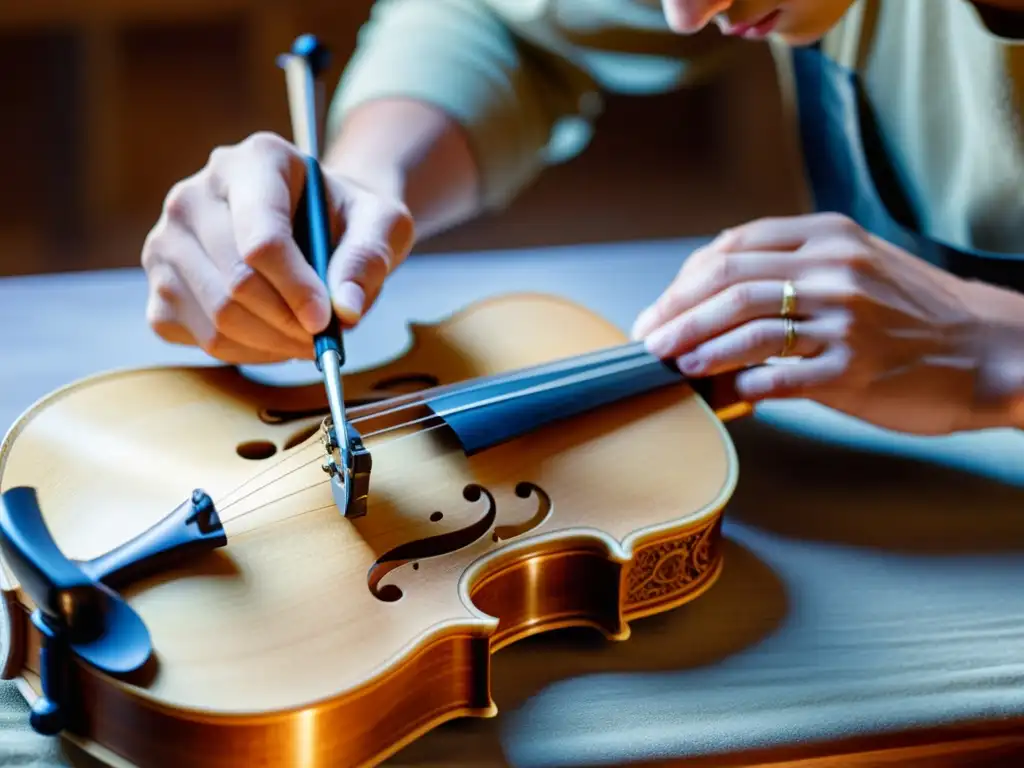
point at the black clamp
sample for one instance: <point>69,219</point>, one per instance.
<point>78,613</point>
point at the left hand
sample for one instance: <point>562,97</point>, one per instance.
<point>879,333</point>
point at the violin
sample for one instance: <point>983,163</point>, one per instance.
<point>185,588</point>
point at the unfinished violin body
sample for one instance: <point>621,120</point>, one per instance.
<point>284,633</point>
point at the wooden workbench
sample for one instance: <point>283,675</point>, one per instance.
<point>872,598</point>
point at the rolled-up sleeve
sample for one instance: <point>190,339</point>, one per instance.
<point>522,108</point>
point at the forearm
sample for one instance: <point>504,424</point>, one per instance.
<point>412,151</point>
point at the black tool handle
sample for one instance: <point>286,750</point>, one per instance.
<point>312,230</point>
<point>312,234</point>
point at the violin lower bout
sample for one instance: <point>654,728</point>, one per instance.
<point>446,679</point>
<point>287,647</point>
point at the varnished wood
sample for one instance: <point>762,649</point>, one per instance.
<point>274,650</point>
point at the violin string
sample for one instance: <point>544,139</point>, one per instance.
<point>604,357</point>
<point>418,399</point>
<point>547,386</point>
<point>275,465</point>
<point>497,399</point>
<point>242,534</point>
<point>389,442</point>
<point>556,384</point>
<point>317,484</point>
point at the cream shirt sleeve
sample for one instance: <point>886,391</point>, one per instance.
<point>522,107</point>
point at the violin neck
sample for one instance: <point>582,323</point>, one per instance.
<point>486,413</point>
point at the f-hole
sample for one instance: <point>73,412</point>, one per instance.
<point>523,491</point>
<point>434,546</point>
<point>402,384</point>
<point>447,543</point>
<point>410,382</point>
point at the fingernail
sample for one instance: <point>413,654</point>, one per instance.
<point>642,323</point>
<point>659,343</point>
<point>348,302</point>
<point>690,363</point>
<point>314,314</point>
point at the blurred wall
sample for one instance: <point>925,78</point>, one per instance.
<point>106,103</point>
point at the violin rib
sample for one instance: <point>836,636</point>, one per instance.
<point>310,639</point>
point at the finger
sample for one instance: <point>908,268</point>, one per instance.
<point>712,275</point>
<point>219,314</point>
<point>797,379</point>
<point>261,187</point>
<point>211,221</point>
<point>163,304</point>
<point>176,315</point>
<point>217,344</point>
<point>751,344</point>
<point>724,311</point>
<point>378,236</point>
<point>784,233</point>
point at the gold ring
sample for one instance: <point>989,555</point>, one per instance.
<point>788,298</point>
<point>790,338</point>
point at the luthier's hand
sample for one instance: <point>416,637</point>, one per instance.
<point>879,333</point>
<point>226,275</point>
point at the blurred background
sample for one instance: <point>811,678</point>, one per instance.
<point>105,104</point>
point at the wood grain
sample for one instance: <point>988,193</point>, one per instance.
<point>287,629</point>
<point>869,607</point>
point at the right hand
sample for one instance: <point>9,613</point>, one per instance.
<point>226,275</point>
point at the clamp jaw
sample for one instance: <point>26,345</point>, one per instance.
<point>348,463</point>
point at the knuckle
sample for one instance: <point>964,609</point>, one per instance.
<point>164,327</point>
<point>850,291</point>
<point>241,280</point>
<point>722,271</point>
<point>263,246</point>
<point>163,321</point>
<point>149,255</point>
<point>842,361</point>
<point>165,288</point>
<point>217,157</point>
<point>178,203</point>
<point>262,142</point>
<point>782,380</point>
<point>841,224</point>
<point>759,334</point>
<point>843,332</point>
<point>738,298</point>
<point>224,313</point>
<point>859,262</point>
<point>845,326</point>
<point>401,229</point>
<point>698,257</point>
<point>216,345</point>
<point>371,259</point>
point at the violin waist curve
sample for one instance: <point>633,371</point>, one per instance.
<point>312,639</point>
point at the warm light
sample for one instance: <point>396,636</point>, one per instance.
<point>305,739</point>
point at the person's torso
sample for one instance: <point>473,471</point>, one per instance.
<point>946,93</point>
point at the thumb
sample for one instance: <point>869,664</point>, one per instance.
<point>378,236</point>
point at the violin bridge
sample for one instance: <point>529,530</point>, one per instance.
<point>350,481</point>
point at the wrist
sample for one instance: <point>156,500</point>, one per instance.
<point>383,176</point>
<point>997,344</point>
<point>411,152</point>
